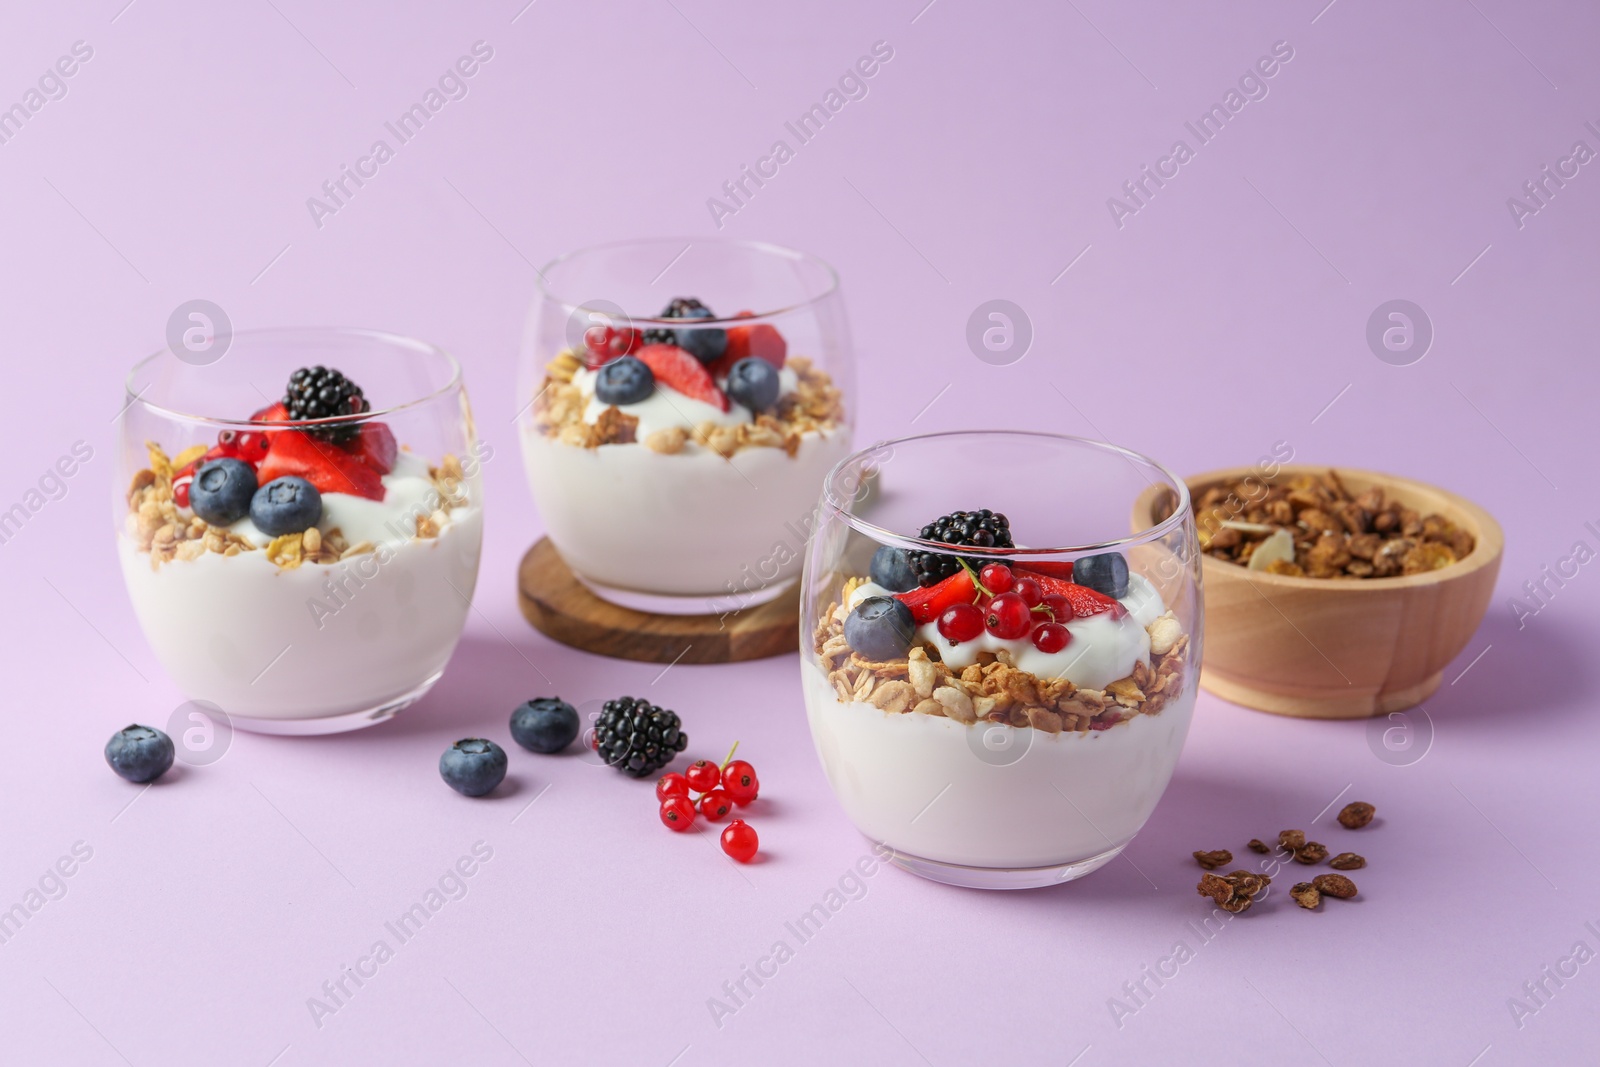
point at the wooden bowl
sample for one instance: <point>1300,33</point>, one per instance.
<point>1340,649</point>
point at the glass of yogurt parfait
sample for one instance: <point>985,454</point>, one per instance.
<point>998,675</point>
<point>299,523</point>
<point>682,401</point>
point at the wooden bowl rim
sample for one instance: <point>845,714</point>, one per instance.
<point>1489,538</point>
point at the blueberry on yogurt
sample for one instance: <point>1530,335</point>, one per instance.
<point>754,383</point>
<point>286,505</point>
<point>624,381</point>
<point>892,570</point>
<point>880,628</point>
<point>1106,573</point>
<point>221,491</point>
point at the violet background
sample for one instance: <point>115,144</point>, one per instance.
<point>1226,315</point>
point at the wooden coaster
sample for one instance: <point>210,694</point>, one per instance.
<point>560,607</point>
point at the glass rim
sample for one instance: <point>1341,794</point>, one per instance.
<point>392,340</point>
<point>768,247</point>
<point>1180,513</point>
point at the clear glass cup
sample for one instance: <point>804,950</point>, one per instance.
<point>669,503</point>
<point>1007,746</point>
<point>305,633</point>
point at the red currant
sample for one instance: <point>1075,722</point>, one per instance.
<point>739,782</point>
<point>1051,637</point>
<point>739,840</point>
<point>672,785</point>
<point>1030,591</point>
<point>961,622</point>
<point>703,776</point>
<point>677,813</point>
<point>1058,606</point>
<point>1008,617</point>
<point>996,577</point>
<point>715,804</point>
<point>606,343</point>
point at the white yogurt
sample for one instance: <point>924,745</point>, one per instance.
<point>1102,648</point>
<point>689,524</point>
<point>988,795</point>
<point>319,640</point>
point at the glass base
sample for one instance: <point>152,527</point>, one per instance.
<point>334,724</point>
<point>659,604</point>
<point>999,877</point>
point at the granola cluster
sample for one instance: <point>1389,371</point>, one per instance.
<point>816,406</point>
<point>994,689</point>
<point>157,525</point>
<point>1335,534</point>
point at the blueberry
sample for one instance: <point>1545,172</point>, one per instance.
<point>754,383</point>
<point>545,724</point>
<point>221,491</point>
<point>892,570</point>
<point>880,628</point>
<point>624,381</point>
<point>705,345</point>
<point>473,766</point>
<point>1106,573</point>
<point>285,505</point>
<point>140,753</point>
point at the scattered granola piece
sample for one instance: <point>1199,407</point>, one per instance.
<point>1347,861</point>
<point>1306,895</point>
<point>1356,814</point>
<point>1214,859</point>
<point>1291,840</point>
<point>1311,852</point>
<point>1335,885</point>
<point>1258,845</point>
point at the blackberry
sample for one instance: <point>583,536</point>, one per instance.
<point>320,393</point>
<point>981,529</point>
<point>680,307</point>
<point>636,737</point>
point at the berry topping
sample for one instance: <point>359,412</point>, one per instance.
<point>672,785</point>
<point>473,766</point>
<point>376,447</point>
<point>961,622</point>
<point>677,369</point>
<point>707,345</point>
<point>221,491</point>
<point>980,529</point>
<point>602,344</point>
<point>716,804</point>
<point>1081,601</point>
<point>1031,592</point>
<point>759,341</point>
<point>996,577</point>
<point>890,569</point>
<point>928,603</point>
<point>739,840</point>
<point>140,753</point>
<point>1058,607</point>
<point>703,776</point>
<point>320,393</point>
<point>754,383</point>
<point>880,628</point>
<point>1106,573</point>
<point>544,724</point>
<point>677,813</point>
<point>1051,637</point>
<point>1008,617</point>
<point>328,467</point>
<point>624,381</point>
<point>285,506</point>
<point>636,737</point>
<point>1053,567</point>
<point>739,782</point>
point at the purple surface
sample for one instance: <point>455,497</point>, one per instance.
<point>1226,314</point>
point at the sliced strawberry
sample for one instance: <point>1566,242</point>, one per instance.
<point>677,369</point>
<point>1085,601</point>
<point>1054,568</point>
<point>928,604</point>
<point>376,446</point>
<point>330,468</point>
<point>760,340</point>
<point>278,412</point>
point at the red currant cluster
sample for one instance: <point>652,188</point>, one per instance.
<point>719,789</point>
<point>1013,608</point>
